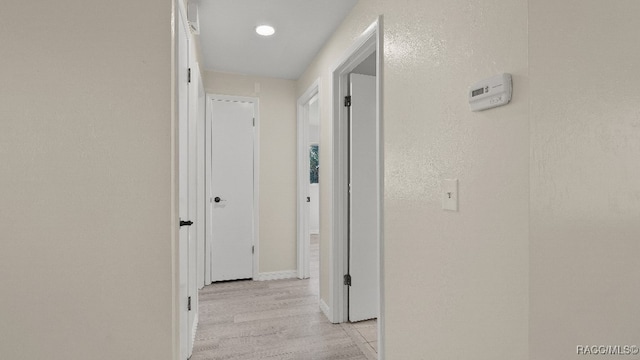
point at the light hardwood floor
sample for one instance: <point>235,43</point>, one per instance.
<point>281,319</point>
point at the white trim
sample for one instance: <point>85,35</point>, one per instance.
<point>369,42</point>
<point>201,197</point>
<point>182,315</point>
<point>303,180</point>
<point>380,158</point>
<point>256,167</point>
<point>276,275</point>
<point>325,309</point>
<point>196,320</point>
<point>208,235</point>
<point>182,12</point>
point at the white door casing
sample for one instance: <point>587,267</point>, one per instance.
<point>182,40</point>
<point>363,200</point>
<point>232,184</point>
<point>201,223</point>
<point>193,200</point>
<point>209,194</point>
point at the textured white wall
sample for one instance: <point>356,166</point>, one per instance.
<point>277,162</point>
<point>456,283</point>
<point>585,171</point>
<point>86,184</point>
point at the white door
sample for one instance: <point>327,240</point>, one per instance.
<point>199,109</point>
<point>232,189</point>
<point>193,207</point>
<point>183,184</point>
<point>209,195</point>
<point>363,200</point>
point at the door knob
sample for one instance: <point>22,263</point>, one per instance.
<point>217,199</point>
<point>186,223</point>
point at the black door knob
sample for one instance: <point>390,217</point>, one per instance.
<point>217,199</point>
<point>186,223</point>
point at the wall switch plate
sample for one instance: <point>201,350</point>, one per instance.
<point>450,194</point>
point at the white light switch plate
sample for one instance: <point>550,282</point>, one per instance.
<point>450,194</point>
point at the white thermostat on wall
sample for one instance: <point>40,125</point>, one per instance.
<point>491,92</point>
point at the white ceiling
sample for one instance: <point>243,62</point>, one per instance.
<point>230,43</point>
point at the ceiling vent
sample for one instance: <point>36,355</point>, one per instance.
<point>193,17</point>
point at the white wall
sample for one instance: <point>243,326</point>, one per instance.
<point>456,283</point>
<point>585,171</point>
<point>277,162</point>
<point>541,256</point>
<point>86,187</point>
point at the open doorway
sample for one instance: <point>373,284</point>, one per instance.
<point>356,279</point>
<point>314,190</point>
<point>362,273</point>
<point>308,177</point>
<point>314,167</point>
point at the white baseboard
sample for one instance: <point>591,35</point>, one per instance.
<point>277,275</point>
<point>325,309</point>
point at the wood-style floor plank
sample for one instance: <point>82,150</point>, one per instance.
<point>279,320</point>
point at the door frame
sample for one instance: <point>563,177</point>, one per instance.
<point>370,41</point>
<point>256,172</point>
<point>303,179</point>
<point>182,123</point>
<point>201,223</point>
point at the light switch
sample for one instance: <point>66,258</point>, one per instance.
<point>450,194</point>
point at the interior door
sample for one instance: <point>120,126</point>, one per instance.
<point>199,109</point>
<point>232,189</point>
<point>183,184</point>
<point>193,202</point>
<point>363,200</point>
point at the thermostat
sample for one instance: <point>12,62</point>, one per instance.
<point>489,93</point>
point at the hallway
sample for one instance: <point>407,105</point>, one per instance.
<point>281,319</point>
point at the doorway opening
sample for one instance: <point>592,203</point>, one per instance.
<point>356,281</point>
<point>308,176</point>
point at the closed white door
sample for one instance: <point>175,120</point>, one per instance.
<point>232,189</point>
<point>363,200</point>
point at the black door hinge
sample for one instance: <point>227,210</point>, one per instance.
<point>189,75</point>
<point>253,249</point>
<point>347,101</point>
<point>189,303</point>
<point>347,280</point>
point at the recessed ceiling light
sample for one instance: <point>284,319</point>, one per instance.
<point>265,30</point>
